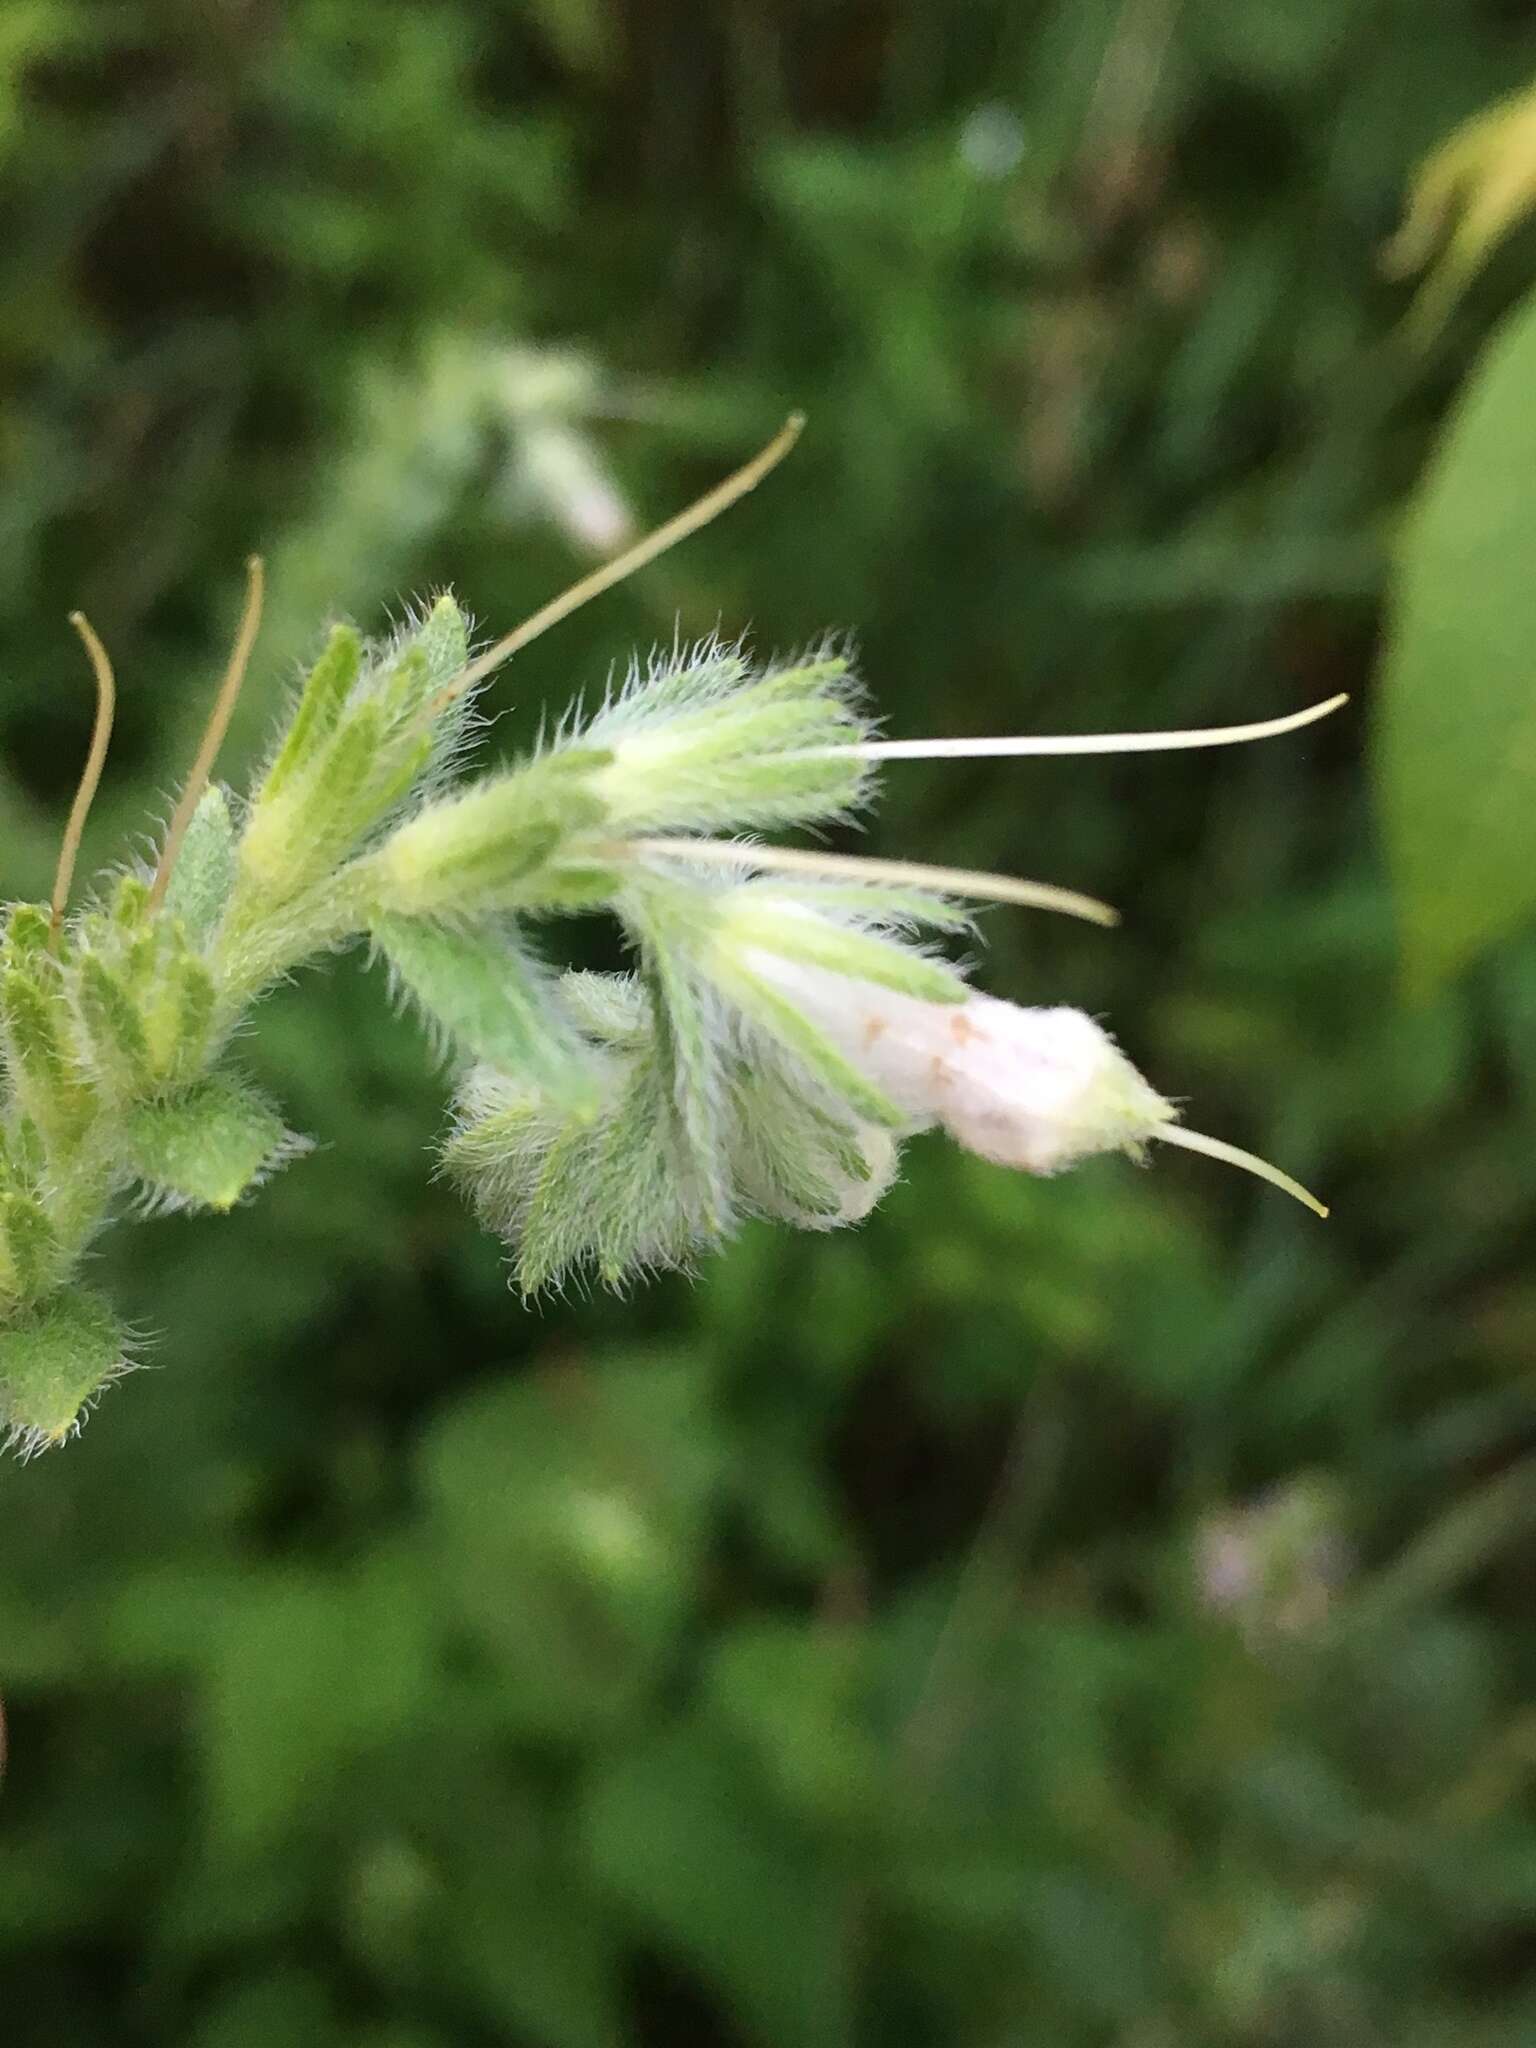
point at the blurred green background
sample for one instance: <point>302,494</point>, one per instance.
<point>1093,1613</point>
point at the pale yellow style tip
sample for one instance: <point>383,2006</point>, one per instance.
<point>1246,1162</point>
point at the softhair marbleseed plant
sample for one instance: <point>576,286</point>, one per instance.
<point>785,1025</point>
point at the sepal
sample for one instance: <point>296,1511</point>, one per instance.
<point>55,1360</point>
<point>207,1147</point>
<point>609,1189</point>
<point>204,874</point>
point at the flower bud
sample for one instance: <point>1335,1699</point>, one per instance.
<point>113,1028</point>
<point>26,929</point>
<point>28,1246</point>
<point>498,845</point>
<point>704,742</point>
<point>603,1187</point>
<point>44,1073</point>
<point>369,725</point>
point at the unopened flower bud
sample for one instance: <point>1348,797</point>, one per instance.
<point>498,844</point>
<point>704,740</point>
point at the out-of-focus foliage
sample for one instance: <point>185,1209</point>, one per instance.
<point>1467,195</point>
<point>1458,714</point>
<point>1091,1612</point>
<point>1457,724</point>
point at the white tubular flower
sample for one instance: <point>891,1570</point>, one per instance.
<point>1037,1090</point>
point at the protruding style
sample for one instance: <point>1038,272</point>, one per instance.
<point>975,883</point>
<point>1248,1162</point>
<point>90,775</point>
<point>678,528</point>
<point>213,733</point>
<point>1033,746</point>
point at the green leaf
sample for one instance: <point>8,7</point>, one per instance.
<point>526,1937</point>
<point>678,1833</point>
<point>305,1672</point>
<point>793,1694</point>
<point>206,1147</point>
<point>570,1535</point>
<point>1456,753</point>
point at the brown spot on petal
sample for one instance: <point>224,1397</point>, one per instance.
<point>962,1030</point>
<point>874,1027</point>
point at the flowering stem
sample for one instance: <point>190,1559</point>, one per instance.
<point>773,1047</point>
<point>254,952</point>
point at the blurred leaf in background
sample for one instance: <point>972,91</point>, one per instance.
<point>1465,197</point>
<point>1458,738</point>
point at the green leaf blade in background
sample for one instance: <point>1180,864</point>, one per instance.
<point>673,1831</point>
<point>1456,743</point>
